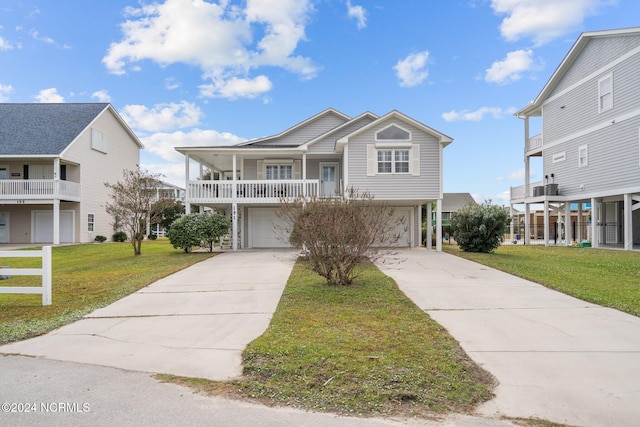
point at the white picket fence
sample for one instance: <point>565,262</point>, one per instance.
<point>44,271</point>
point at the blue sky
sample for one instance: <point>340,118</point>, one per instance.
<point>194,72</point>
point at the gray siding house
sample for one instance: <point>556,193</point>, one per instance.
<point>394,157</point>
<point>590,141</point>
<point>54,161</point>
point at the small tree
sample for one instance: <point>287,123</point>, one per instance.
<point>338,234</point>
<point>131,203</point>
<point>165,211</point>
<point>480,228</point>
<point>197,229</point>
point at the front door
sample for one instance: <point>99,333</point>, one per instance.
<point>328,179</point>
<point>611,223</point>
<point>4,227</point>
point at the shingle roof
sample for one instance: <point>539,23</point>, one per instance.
<point>451,202</point>
<point>43,129</point>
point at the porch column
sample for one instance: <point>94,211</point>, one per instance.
<point>187,190</point>
<point>439,225</point>
<point>234,226</point>
<point>546,222</point>
<point>527,173</point>
<point>527,224</point>
<point>234,206</point>
<point>511,222</point>
<point>429,225</point>
<point>567,224</point>
<point>579,224</point>
<point>628,222</point>
<point>304,175</point>
<point>595,238</point>
<point>56,221</point>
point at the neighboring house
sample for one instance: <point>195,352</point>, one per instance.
<point>54,162</point>
<point>394,157</point>
<point>590,120</point>
<point>451,202</point>
<point>165,190</point>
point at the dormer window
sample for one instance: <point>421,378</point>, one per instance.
<point>393,133</point>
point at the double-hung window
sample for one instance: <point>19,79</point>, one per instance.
<point>605,93</point>
<point>279,171</point>
<point>393,160</point>
<point>583,156</point>
<point>91,221</point>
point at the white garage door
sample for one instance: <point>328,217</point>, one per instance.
<point>403,229</point>
<point>43,227</point>
<point>261,229</point>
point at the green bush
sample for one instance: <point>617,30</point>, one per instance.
<point>199,229</point>
<point>480,228</point>
<point>152,236</point>
<point>100,238</point>
<point>119,236</point>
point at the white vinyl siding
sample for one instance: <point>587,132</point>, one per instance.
<point>605,93</point>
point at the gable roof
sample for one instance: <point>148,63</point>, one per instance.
<point>266,140</point>
<point>47,129</point>
<point>451,202</point>
<point>568,60</point>
<point>442,138</point>
<point>335,130</point>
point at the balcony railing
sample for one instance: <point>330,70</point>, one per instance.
<point>38,189</point>
<point>533,143</point>
<point>519,192</point>
<point>256,191</point>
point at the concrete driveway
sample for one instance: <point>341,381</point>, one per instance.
<point>193,323</point>
<point>556,357</point>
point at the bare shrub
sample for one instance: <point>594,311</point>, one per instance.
<point>337,234</point>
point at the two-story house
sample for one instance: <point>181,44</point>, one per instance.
<point>590,141</point>
<point>395,158</point>
<point>54,162</point>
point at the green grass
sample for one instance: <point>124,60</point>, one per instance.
<point>85,277</point>
<point>610,278</point>
<point>363,349</point>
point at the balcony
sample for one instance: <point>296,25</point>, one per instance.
<point>534,143</point>
<point>21,190</point>
<point>519,192</point>
<point>251,191</point>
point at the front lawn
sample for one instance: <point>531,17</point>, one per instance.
<point>610,278</point>
<point>85,277</point>
<point>363,349</point>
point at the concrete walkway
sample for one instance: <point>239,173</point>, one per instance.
<point>193,323</point>
<point>555,357</point>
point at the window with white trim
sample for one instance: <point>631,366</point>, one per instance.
<point>393,160</point>
<point>583,156</point>
<point>393,133</point>
<point>279,171</point>
<point>91,221</point>
<point>605,93</point>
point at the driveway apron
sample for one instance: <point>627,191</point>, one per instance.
<point>555,357</point>
<point>193,323</point>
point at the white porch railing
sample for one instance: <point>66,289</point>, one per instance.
<point>533,143</point>
<point>519,192</point>
<point>38,189</point>
<point>254,191</point>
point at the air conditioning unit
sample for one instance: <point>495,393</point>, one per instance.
<point>551,189</point>
<point>538,191</point>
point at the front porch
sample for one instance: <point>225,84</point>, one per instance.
<point>251,191</point>
<point>24,190</point>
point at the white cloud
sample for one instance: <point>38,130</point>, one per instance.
<point>49,96</point>
<point>477,115</point>
<point>5,90</point>
<point>101,95</point>
<point>5,45</point>
<point>235,88</point>
<point>162,144</point>
<point>510,69</point>
<point>226,41</point>
<point>517,175</point>
<point>544,20</point>
<point>162,116</point>
<point>412,70</point>
<point>170,83</point>
<point>358,13</point>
